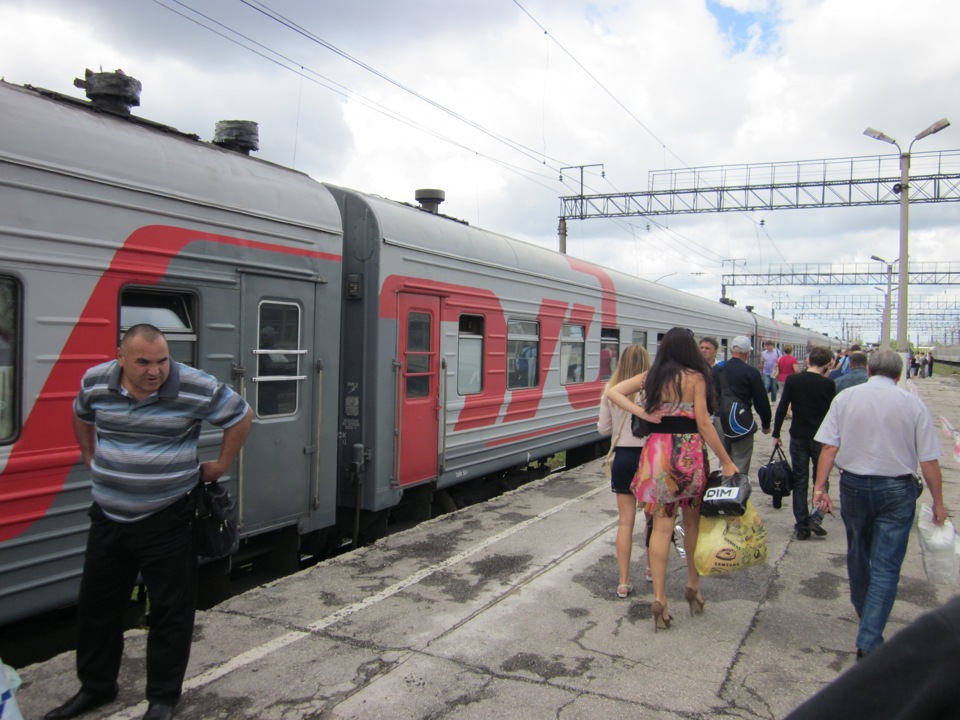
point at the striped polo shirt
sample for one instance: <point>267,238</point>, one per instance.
<point>146,451</point>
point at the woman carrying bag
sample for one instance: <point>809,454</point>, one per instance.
<point>625,449</point>
<point>678,396</point>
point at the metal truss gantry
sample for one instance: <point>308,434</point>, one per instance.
<point>923,273</point>
<point>837,182</point>
<point>867,305</point>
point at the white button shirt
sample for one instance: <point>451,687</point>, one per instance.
<point>881,429</point>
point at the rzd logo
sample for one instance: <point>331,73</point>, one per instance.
<point>722,493</point>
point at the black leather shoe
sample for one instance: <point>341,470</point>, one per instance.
<point>82,702</point>
<point>158,711</point>
<point>816,529</point>
<point>803,534</point>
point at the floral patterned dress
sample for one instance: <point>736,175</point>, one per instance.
<point>673,468</point>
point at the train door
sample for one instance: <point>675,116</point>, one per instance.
<point>418,388</point>
<point>280,456</point>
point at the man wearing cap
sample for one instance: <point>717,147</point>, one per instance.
<point>746,386</point>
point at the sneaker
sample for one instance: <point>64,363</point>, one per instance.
<point>803,534</point>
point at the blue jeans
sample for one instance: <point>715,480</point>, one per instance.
<point>803,452</point>
<point>772,385</point>
<point>878,514</point>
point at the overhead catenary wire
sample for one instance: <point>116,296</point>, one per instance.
<point>292,65</point>
<point>617,100</point>
<point>317,78</point>
<point>279,18</point>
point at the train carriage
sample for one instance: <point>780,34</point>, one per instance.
<point>475,351</point>
<point>390,353</point>
<point>107,222</point>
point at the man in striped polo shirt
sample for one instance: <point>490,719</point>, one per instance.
<point>137,420</point>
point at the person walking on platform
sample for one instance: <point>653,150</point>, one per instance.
<point>787,364</point>
<point>809,394</point>
<point>768,361</point>
<point>857,374</point>
<point>877,433</point>
<point>615,422</point>
<point>746,386</point>
<point>673,464</point>
<point>137,420</point>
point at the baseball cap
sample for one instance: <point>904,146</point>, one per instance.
<point>741,343</point>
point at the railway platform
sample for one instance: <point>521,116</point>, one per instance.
<point>508,609</point>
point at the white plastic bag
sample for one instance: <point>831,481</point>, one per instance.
<point>9,682</point>
<point>938,548</point>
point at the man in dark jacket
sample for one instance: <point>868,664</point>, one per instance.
<point>857,374</point>
<point>808,395</point>
<point>746,386</point>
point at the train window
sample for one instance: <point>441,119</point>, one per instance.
<point>9,357</point>
<point>523,344</point>
<point>417,374</point>
<point>172,313</point>
<point>470,355</point>
<point>572,354</point>
<point>609,351</point>
<point>278,359</point>
<point>640,337</point>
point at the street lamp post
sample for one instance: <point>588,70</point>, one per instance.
<point>885,339</point>
<point>903,341</point>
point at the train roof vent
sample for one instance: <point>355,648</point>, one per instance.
<point>241,136</point>
<point>113,92</point>
<point>430,199</point>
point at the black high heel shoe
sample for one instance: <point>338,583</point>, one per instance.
<point>661,618</point>
<point>695,599</point>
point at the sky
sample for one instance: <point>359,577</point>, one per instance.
<point>501,102</point>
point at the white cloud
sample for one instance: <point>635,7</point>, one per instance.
<point>687,82</point>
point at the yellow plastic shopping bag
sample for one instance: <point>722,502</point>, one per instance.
<point>726,544</point>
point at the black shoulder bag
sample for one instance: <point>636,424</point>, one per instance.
<point>215,521</point>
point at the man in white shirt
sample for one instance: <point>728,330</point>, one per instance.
<point>877,433</point>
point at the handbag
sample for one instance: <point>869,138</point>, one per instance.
<point>215,521</point>
<point>776,477</point>
<point>736,417</point>
<point>726,544</point>
<point>638,426</point>
<point>725,496</point>
<point>607,463</point>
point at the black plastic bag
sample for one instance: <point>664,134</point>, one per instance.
<point>725,496</point>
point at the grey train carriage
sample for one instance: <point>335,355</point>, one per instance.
<point>389,353</point>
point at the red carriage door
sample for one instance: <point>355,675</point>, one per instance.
<point>418,388</point>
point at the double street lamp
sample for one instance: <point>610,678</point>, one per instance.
<point>902,339</point>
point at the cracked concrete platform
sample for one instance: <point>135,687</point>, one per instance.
<point>507,610</point>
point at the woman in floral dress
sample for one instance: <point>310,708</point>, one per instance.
<point>673,464</point>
